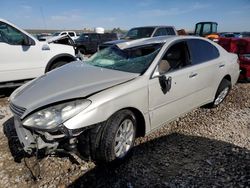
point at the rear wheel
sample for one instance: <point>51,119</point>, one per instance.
<point>112,140</point>
<point>221,94</point>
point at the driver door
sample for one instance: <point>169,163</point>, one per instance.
<point>166,106</point>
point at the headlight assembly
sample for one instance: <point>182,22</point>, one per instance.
<point>53,116</point>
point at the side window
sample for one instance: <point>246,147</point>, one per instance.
<point>201,51</point>
<point>170,31</point>
<point>160,32</point>
<point>206,29</point>
<point>10,35</point>
<point>175,58</point>
<point>198,29</point>
<point>94,38</point>
<point>214,28</point>
<point>71,34</point>
<point>63,33</point>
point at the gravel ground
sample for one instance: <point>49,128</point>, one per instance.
<point>204,148</point>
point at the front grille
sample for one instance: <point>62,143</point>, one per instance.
<point>17,110</point>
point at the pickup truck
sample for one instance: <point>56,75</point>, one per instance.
<point>88,43</point>
<point>23,57</point>
<point>142,32</point>
<point>72,34</point>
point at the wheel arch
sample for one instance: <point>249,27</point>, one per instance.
<point>82,46</point>
<point>65,57</point>
<point>227,77</point>
<point>141,124</point>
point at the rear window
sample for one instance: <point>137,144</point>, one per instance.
<point>202,51</point>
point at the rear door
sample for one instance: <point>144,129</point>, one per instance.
<point>207,67</point>
<point>94,42</point>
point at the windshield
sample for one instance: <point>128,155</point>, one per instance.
<point>138,33</point>
<point>134,60</point>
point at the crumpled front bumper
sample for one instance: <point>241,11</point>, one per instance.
<point>34,140</point>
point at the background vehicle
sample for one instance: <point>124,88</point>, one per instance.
<point>43,36</point>
<point>230,35</point>
<point>120,93</point>
<point>240,46</point>
<point>23,57</point>
<point>89,42</point>
<point>72,34</point>
<point>244,34</point>
<point>207,30</point>
<point>142,32</point>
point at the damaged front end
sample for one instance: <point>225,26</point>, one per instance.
<point>44,130</point>
<point>49,141</point>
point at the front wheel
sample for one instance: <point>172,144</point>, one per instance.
<point>114,139</point>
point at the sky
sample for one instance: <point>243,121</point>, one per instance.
<point>78,14</point>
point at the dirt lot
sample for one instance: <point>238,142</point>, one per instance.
<point>205,148</point>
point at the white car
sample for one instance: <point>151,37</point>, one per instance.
<point>100,106</point>
<point>23,57</point>
<point>72,34</point>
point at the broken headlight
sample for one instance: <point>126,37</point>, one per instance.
<point>53,116</point>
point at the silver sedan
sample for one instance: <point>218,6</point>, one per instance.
<point>98,107</point>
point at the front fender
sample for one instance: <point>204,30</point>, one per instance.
<point>108,102</point>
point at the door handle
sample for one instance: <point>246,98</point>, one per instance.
<point>192,75</point>
<point>222,65</point>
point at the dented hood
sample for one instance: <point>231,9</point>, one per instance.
<point>74,80</point>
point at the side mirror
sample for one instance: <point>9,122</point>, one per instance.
<point>165,83</point>
<point>27,41</point>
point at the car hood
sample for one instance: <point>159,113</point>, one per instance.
<point>74,80</point>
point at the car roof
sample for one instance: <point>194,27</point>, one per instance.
<point>154,40</point>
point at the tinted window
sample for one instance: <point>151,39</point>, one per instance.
<point>206,29</point>
<point>160,32</point>
<point>214,28</point>
<point>94,37</point>
<point>142,32</point>
<point>170,31</point>
<point>71,34</point>
<point>84,37</point>
<point>202,51</point>
<point>198,29</point>
<point>10,35</point>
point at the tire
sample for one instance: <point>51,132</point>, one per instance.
<point>221,94</point>
<point>82,50</point>
<point>57,65</point>
<point>110,141</point>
